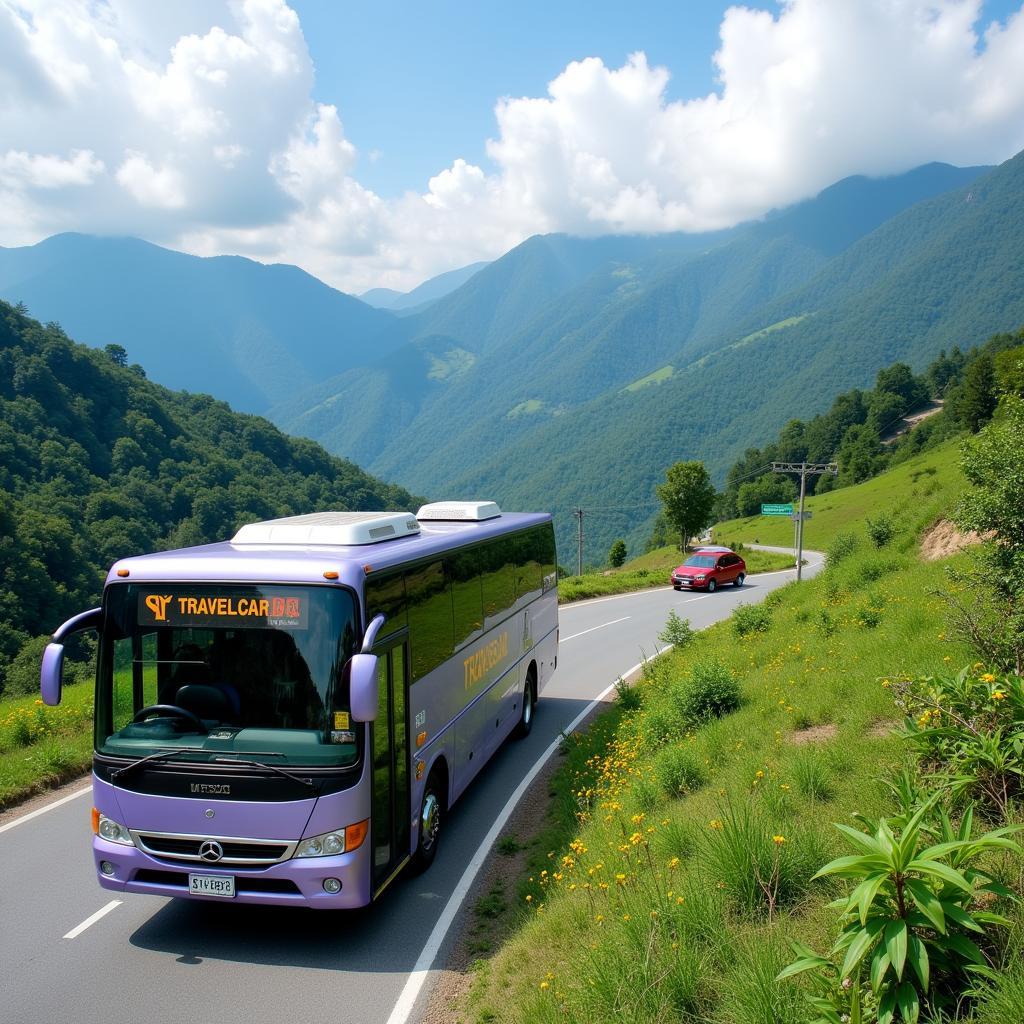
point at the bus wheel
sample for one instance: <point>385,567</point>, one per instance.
<point>529,703</point>
<point>431,813</point>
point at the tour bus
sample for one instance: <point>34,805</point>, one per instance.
<point>287,717</point>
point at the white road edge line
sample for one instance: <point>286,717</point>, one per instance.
<point>89,921</point>
<point>592,628</point>
<point>43,810</point>
<point>407,999</point>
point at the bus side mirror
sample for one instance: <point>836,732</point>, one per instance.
<point>362,687</point>
<point>51,671</point>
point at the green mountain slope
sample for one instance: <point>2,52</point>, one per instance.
<point>947,271</point>
<point>97,463</point>
<point>252,334</point>
<point>558,322</point>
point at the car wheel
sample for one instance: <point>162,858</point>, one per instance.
<point>522,730</point>
<point>738,582</point>
<point>712,586</point>
<point>431,814</point>
<point>674,587</point>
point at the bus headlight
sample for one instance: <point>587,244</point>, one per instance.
<point>330,844</point>
<point>113,831</point>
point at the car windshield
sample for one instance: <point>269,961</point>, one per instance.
<point>216,671</point>
<point>700,561</point>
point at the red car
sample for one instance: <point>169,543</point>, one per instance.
<point>708,568</point>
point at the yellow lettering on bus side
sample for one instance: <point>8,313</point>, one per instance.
<point>477,665</point>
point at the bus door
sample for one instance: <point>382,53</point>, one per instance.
<point>389,825</point>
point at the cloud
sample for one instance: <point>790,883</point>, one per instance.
<point>196,125</point>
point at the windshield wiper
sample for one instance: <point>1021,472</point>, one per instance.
<point>270,767</point>
<point>120,773</point>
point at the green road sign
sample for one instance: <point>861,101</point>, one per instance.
<point>777,510</point>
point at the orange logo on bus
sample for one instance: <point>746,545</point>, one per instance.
<point>157,604</point>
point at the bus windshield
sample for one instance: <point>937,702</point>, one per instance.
<point>217,671</point>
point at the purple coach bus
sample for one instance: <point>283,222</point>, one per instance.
<point>286,718</point>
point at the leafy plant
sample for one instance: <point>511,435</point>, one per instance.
<point>751,618</point>
<point>968,730</point>
<point>628,697</point>
<point>677,631</point>
<point>710,692</point>
<point>880,529</point>
<point>843,545</point>
<point>906,922</point>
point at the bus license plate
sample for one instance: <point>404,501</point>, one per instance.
<point>212,885</point>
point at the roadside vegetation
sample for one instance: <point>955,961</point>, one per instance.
<point>652,570</point>
<point>41,747</point>
<point>807,813</point>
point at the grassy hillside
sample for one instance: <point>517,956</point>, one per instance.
<point>679,858</point>
<point>915,493</point>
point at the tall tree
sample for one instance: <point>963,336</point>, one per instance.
<point>617,554</point>
<point>688,497</point>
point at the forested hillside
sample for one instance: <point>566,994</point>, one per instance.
<point>97,462</point>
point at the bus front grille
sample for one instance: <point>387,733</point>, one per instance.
<point>204,849</point>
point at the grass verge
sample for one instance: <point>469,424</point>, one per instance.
<point>42,747</point>
<point>679,859</point>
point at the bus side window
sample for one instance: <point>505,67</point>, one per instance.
<point>386,595</point>
<point>499,580</point>
<point>467,603</point>
<point>430,617</point>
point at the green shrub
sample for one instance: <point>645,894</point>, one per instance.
<point>880,529</point>
<point>677,631</point>
<point>628,697</point>
<point>678,770</point>
<point>751,618</point>
<point>710,691</point>
<point>843,545</point>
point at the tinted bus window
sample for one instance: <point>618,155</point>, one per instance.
<point>467,602</point>
<point>386,595</point>
<point>499,580</point>
<point>430,617</point>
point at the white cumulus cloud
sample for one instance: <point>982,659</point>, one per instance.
<point>196,124</point>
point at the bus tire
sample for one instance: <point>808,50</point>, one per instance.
<point>525,723</point>
<point>432,810</point>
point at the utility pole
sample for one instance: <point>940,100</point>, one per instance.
<point>805,469</point>
<point>578,513</point>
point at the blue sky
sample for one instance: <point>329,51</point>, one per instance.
<point>380,144</point>
<point>416,83</point>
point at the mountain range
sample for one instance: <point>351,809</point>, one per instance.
<point>571,371</point>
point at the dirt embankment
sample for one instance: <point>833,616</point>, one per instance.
<point>944,539</point>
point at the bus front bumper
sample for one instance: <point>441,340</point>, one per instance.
<point>295,882</point>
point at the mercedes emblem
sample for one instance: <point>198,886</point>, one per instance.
<point>211,851</point>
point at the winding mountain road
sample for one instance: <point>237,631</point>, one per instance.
<point>70,953</point>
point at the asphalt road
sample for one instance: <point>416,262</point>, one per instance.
<point>159,960</point>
